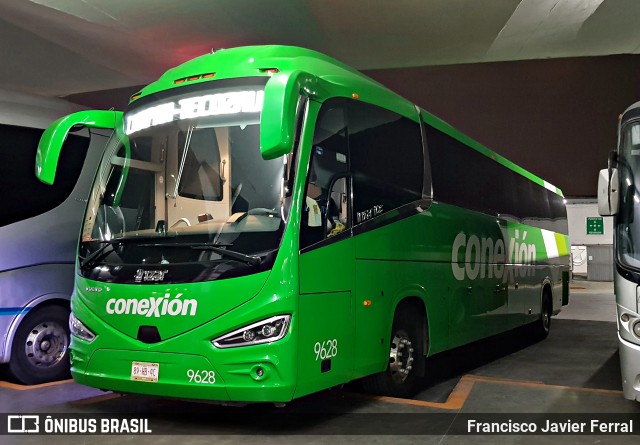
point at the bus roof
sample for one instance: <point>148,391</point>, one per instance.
<point>632,112</point>
<point>632,107</point>
<point>250,61</point>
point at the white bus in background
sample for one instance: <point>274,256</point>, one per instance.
<point>619,195</point>
<point>39,228</point>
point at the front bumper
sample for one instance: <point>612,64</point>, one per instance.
<point>251,379</point>
<point>630,368</point>
<point>258,373</point>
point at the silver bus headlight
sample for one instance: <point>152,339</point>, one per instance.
<point>265,331</point>
<point>78,329</point>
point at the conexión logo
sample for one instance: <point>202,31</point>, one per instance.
<point>153,306</point>
<point>486,257</point>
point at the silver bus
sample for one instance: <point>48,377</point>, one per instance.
<point>619,196</point>
<point>39,228</point>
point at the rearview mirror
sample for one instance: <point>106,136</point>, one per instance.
<point>278,118</point>
<point>54,136</point>
<point>608,192</point>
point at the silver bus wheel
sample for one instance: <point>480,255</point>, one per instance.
<point>40,348</point>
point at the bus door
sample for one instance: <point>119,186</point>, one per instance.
<point>327,263</point>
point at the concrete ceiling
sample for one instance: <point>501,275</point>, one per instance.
<point>62,47</point>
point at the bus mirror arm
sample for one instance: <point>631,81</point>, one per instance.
<point>54,136</point>
<point>612,166</point>
<point>612,161</point>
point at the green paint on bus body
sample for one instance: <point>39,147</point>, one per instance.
<point>54,136</point>
<point>474,275</point>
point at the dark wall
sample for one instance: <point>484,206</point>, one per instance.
<point>556,117</point>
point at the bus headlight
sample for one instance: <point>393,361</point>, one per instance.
<point>265,331</point>
<point>78,329</point>
<point>636,329</point>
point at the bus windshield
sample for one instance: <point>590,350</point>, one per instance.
<point>185,183</point>
<point>628,221</point>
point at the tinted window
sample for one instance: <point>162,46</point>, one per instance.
<point>376,152</point>
<point>465,177</point>
<point>628,218</point>
<point>386,160</point>
<point>326,207</point>
<point>452,171</point>
<point>18,146</point>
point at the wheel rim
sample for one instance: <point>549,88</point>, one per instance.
<point>400,357</point>
<point>546,318</point>
<point>46,345</point>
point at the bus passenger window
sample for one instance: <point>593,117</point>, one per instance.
<point>18,147</point>
<point>386,160</point>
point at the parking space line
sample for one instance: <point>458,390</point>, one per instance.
<point>541,385</point>
<point>18,387</point>
<point>455,401</point>
<point>460,393</point>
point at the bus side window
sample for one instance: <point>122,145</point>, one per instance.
<point>326,207</point>
<point>387,160</point>
<point>18,147</point>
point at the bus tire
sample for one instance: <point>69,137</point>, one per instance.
<point>401,378</point>
<point>542,327</point>
<point>40,348</point>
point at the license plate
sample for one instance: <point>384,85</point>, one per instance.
<point>145,372</point>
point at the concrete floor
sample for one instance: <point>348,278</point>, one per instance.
<point>573,373</point>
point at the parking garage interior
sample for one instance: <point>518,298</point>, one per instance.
<point>542,83</point>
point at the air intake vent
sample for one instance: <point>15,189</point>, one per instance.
<point>148,334</point>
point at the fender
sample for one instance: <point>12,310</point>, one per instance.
<point>545,282</point>
<point>412,291</point>
<point>5,354</point>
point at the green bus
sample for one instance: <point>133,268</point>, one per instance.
<point>267,222</point>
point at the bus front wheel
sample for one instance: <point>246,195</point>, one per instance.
<point>40,348</point>
<point>401,378</point>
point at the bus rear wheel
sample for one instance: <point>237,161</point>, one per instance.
<point>40,348</point>
<point>401,378</point>
<point>542,327</point>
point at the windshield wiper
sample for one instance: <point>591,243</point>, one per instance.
<point>249,259</point>
<point>217,248</point>
<point>184,245</point>
<point>260,211</point>
<point>92,258</point>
